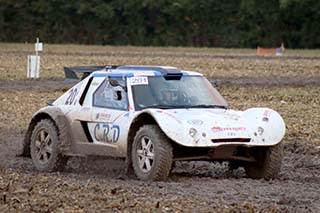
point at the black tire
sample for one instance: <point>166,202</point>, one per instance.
<point>269,163</point>
<point>44,147</point>
<point>156,143</point>
<point>233,165</point>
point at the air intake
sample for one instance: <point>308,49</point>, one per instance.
<point>231,140</point>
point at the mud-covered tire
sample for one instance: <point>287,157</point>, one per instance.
<point>151,154</point>
<point>269,164</point>
<point>44,147</point>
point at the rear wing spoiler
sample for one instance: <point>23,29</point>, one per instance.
<point>79,73</point>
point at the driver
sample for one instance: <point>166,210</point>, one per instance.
<point>168,94</point>
<point>112,94</point>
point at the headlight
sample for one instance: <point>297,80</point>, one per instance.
<point>260,130</point>
<point>192,132</point>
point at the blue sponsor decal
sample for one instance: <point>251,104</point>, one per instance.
<point>107,133</point>
<point>195,122</point>
<point>126,115</point>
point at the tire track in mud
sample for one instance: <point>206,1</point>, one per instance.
<point>201,185</point>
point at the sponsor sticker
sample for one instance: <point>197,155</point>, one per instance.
<point>107,133</point>
<point>139,80</point>
<point>222,129</point>
<point>103,116</point>
<point>195,122</point>
<point>266,115</point>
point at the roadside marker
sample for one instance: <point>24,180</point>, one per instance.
<point>33,70</point>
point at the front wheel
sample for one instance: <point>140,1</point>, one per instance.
<point>269,163</point>
<point>44,147</point>
<point>151,154</point>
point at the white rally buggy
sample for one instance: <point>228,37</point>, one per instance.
<point>152,116</point>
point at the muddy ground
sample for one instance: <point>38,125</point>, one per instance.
<point>95,184</point>
<point>58,84</point>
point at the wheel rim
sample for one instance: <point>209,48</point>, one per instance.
<point>145,154</point>
<point>43,146</point>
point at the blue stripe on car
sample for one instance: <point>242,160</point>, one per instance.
<point>113,74</point>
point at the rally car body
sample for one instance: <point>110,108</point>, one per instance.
<point>152,114</point>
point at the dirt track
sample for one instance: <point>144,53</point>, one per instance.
<point>58,84</point>
<point>192,186</point>
<point>92,185</point>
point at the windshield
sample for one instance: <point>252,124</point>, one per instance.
<point>188,92</point>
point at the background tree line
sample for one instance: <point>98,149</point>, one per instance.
<point>211,23</point>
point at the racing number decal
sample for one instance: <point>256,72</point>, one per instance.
<point>72,96</point>
<point>107,133</point>
<point>139,80</point>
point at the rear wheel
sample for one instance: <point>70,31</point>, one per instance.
<point>44,147</point>
<point>151,154</point>
<point>269,163</point>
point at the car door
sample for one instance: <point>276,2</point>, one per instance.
<point>80,114</point>
<point>109,105</point>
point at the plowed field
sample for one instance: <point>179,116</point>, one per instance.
<point>288,84</point>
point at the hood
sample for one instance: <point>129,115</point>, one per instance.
<point>211,127</point>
